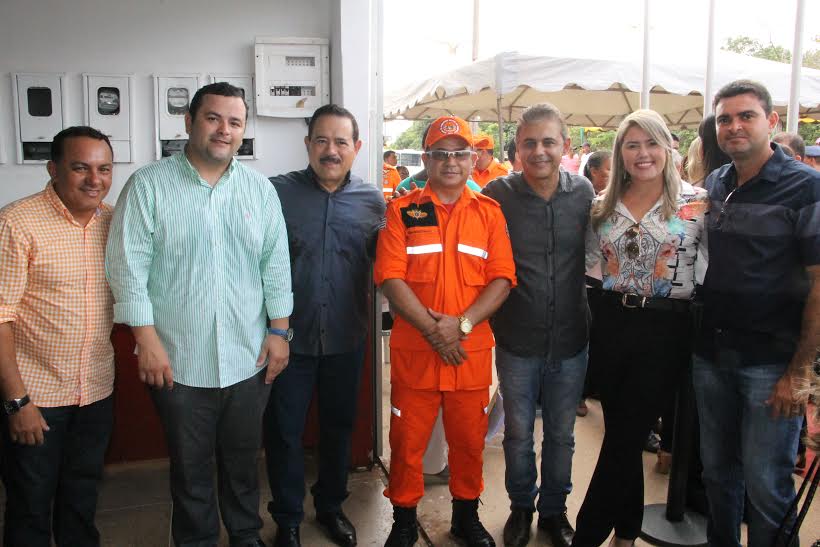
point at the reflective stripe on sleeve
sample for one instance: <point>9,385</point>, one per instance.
<point>475,251</point>
<point>425,249</point>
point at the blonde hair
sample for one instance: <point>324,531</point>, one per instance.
<point>619,179</point>
<point>695,168</point>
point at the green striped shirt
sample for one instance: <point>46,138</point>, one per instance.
<point>206,266</point>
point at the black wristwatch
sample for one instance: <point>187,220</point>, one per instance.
<point>14,405</point>
<point>286,335</point>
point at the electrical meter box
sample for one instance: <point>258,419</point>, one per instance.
<point>109,107</point>
<point>39,114</point>
<point>172,95</point>
<point>249,149</point>
<point>292,76</point>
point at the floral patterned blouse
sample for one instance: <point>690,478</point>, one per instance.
<point>654,257</point>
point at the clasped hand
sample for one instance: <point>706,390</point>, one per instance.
<point>445,337</point>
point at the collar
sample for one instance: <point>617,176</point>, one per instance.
<point>59,206</point>
<point>770,172</point>
<point>427,193</point>
<point>565,183</point>
<point>186,164</point>
<point>315,180</point>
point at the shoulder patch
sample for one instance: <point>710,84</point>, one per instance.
<point>423,214</point>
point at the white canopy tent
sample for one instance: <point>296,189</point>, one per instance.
<point>592,90</point>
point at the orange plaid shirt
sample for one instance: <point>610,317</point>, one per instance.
<point>53,288</point>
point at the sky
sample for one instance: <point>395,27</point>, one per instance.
<point>425,37</point>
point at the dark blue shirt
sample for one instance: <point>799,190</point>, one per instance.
<point>762,236</point>
<point>332,240</point>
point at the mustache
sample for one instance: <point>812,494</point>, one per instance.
<point>330,159</point>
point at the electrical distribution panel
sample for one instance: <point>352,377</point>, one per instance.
<point>172,95</point>
<point>292,76</point>
<point>39,114</point>
<point>249,148</point>
<point>109,107</point>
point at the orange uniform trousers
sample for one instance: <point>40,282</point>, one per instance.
<point>413,415</point>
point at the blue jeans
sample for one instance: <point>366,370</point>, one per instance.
<point>53,487</point>
<point>558,385</point>
<point>744,449</point>
<point>336,379</point>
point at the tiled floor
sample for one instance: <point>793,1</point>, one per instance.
<point>135,507</point>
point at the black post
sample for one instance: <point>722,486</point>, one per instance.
<point>670,524</point>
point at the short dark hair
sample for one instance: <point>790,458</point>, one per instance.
<point>58,143</point>
<point>542,111</point>
<point>511,151</point>
<point>675,137</point>
<point>223,89</point>
<point>388,153</point>
<point>333,110</point>
<point>741,87</point>
<point>793,140</point>
<point>595,161</point>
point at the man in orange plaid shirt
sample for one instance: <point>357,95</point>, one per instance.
<point>56,358</point>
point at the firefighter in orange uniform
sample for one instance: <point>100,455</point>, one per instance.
<point>445,263</point>
<point>486,168</point>
<point>390,176</point>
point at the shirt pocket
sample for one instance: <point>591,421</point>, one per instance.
<point>423,256</point>
<point>472,260</point>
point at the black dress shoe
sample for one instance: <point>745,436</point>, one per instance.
<point>287,536</point>
<point>558,529</point>
<point>338,527</point>
<point>517,528</point>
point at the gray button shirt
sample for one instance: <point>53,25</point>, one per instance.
<point>547,313</point>
<point>332,240</point>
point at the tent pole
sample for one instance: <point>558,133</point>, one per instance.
<point>645,73</point>
<point>797,61</point>
<point>500,128</point>
<point>708,91</point>
<point>476,18</point>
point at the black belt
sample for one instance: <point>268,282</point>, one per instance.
<point>632,300</point>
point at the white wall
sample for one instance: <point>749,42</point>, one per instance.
<point>168,36</point>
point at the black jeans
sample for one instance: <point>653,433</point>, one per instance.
<point>337,379</point>
<point>214,431</point>
<point>66,470</point>
<point>645,352</point>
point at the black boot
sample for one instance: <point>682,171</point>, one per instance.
<point>405,532</point>
<point>466,526</point>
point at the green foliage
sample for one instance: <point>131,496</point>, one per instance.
<point>686,138</point>
<point>411,138</point>
<point>601,140</point>
<point>754,48</point>
<point>809,132</point>
<point>491,128</point>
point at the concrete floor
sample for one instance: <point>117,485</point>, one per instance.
<point>135,507</point>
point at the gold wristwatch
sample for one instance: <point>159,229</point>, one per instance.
<point>465,325</point>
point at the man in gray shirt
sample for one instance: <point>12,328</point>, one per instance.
<point>542,329</point>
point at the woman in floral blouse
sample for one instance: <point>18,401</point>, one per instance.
<point>645,232</point>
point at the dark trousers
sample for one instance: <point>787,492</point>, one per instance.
<point>337,379</point>
<point>65,470</point>
<point>214,431</point>
<point>646,351</point>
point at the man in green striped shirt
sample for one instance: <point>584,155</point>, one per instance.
<point>198,262</point>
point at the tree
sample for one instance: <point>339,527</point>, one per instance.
<point>754,48</point>
<point>410,139</point>
<point>491,128</point>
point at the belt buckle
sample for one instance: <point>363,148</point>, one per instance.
<point>628,302</point>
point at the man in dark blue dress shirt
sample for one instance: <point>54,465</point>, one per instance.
<point>761,320</point>
<point>332,219</point>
